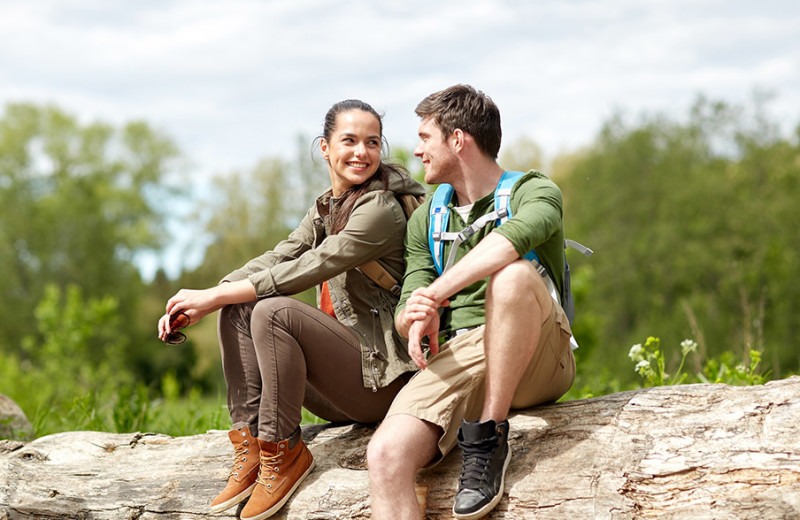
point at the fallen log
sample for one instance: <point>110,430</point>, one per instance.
<point>693,451</point>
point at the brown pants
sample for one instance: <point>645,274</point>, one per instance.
<point>280,354</point>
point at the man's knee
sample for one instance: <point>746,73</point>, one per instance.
<point>518,286</point>
<point>515,280</point>
<point>382,455</point>
<point>401,445</point>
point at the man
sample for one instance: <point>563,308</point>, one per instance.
<point>506,341</point>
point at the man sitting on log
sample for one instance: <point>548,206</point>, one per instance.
<point>505,339</point>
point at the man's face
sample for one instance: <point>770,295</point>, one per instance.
<point>436,151</point>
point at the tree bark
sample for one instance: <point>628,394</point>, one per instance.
<point>679,452</point>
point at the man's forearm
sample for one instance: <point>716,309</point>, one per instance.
<point>490,255</point>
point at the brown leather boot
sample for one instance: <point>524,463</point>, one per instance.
<point>242,478</point>
<point>282,470</point>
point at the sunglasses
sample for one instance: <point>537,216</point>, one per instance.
<point>177,321</point>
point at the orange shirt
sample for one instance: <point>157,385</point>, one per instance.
<point>325,302</point>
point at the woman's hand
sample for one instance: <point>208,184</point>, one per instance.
<point>198,303</point>
<point>192,303</point>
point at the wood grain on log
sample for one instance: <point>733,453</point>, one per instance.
<point>680,452</point>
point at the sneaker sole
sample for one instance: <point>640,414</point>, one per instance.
<point>480,513</point>
<point>233,501</point>
<point>274,509</point>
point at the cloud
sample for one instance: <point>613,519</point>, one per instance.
<point>236,81</point>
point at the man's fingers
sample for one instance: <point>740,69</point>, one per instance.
<point>415,352</point>
<point>416,315</point>
<point>415,345</point>
<point>433,344</point>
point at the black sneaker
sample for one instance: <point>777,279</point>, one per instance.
<point>484,447</point>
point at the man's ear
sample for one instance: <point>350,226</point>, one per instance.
<point>459,138</point>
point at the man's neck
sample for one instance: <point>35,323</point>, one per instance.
<point>479,179</point>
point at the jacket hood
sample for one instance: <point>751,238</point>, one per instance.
<point>400,183</point>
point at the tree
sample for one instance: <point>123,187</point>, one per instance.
<point>76,202</point>
<point>522,155</point>
<point>691,222</point>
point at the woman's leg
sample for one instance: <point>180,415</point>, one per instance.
<point>301,349</point>
<point>244,393</point>
<point>239,365</point>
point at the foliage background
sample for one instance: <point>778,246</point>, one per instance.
<point>691,214</point>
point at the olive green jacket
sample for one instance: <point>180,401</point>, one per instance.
<point>311,255</point>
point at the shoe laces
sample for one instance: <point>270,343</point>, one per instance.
<point>474,471</point>
<point>270,464</point>
<point>240,453</point>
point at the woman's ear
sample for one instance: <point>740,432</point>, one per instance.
<point>323,147</point>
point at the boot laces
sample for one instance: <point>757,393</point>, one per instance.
<point>475,470</point>
<point>240,453</point>
<point>269,464</point>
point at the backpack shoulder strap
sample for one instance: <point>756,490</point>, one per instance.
<point>502,195</point>
<point>373,269</point>
<point>439,215</point>
<point>502,202</point>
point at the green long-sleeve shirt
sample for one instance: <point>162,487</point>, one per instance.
<point>536,223</point>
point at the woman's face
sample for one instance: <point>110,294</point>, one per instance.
<point>354,149</point>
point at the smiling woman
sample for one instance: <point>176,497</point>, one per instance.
<point>353,152</point>
<point>351,145</point>
<point>277,352</point>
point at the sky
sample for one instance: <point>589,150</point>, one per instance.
<point>234,82</point>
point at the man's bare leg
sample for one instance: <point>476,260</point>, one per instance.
<point>517,303</point>
<point>515,300</point>
<point>399,448</point>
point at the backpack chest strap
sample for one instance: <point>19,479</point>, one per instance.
<point>440,217</point>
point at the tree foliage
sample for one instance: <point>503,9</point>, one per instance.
<point>692,219</point>
<point>693,225</point>
<point>74,207</point>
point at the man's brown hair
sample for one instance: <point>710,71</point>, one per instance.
<point>464,107</point>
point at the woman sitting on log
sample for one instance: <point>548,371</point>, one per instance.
<point>343,361</point>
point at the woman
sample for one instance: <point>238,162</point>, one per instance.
<point>343,361</point>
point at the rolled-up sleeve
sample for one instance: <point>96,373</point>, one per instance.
<point>375,224</point>
<point>537,215</point>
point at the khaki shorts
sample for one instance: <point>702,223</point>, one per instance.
<point>452,387</point>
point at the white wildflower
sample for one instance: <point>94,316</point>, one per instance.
<point>688,345</point>
<point>636,353</point>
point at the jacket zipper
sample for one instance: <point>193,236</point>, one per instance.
<point>335,296</point>
<point>373,370</point>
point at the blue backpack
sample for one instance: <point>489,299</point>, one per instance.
<point>438,234</point>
